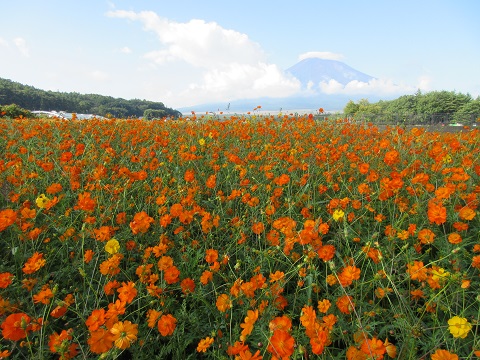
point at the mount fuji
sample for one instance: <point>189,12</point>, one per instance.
<point>312,71</point>
<point>314,75</point>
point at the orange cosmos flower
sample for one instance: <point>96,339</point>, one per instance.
<point>189,175</point>
<point>96,319</point>
<point>152,317</point>
<point>324,305</point>
<point>166,325</point>
<point>206,277</point>
<point>34,263</point>
<point>417,271</point>
<point>326,252</point>
<point>7,218</point>
<point>58,343</point>
<point>281,344</point>
<point>211,182</point>
<point>211,256</point>
<point>223,303</point>
<point>187,285</point>
<point>280,323</point>
<point>5,279</point>
<point>127,292</point>
<point>16,326</point>
<point>374,348</point>
<point>437,213</point>
<point>426,236</point>
<point>466,213</point>
<point>100,341</point>
<point>54,188</point>
<point>348,274</point>
<point>85,202</point>
<point>141,222</point>
<point>391,157</point>
<point>124,334</point>
<point>454,238</point>
<point>258,228</point>
<point>345,304</point>
<point>171,275</point>
<point>443,355</point>
<point>247,325</point>
<point>204,344</point>
<point>43,296</point>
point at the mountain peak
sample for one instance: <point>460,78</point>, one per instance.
<point>312,71</point>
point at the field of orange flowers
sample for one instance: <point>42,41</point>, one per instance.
<point>250,237</point>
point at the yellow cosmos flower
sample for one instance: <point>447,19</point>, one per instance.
<point>440,274</point>
<point>42,201</point>
<point>459,327</point>
<point>112,246</point>
<point>338,215</point>
<point>201,141</point>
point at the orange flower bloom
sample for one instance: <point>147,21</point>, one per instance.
<point>280,323</point>
<point>96,319</point>
<point>326,252</point>
<point>374,348</point>
<point>454,238</point>
<point>437,213</point>
<point>223,303</point>
<point>348,274</point>
<point>206,277</point>
<point>7,218</point>
<point>466,213</point>
<point>247,325</point>
<point>211,256</point>
<point>16,326</point>
<point>127,292</point>
<point>85,202</point>
<point>204,344</point>
<point>152,317</point>
<point>281,344</point>
<point>100,341</point>
<point>443,355</point>
<point>124,334</point>
<point>54,188</point>
<point>258,228</point>
<point>345,304</point>
<point>318,341</point>
<point>324,305</point>
<point>43,296</point>
<point>187,285</point>
<point>5,279</point>
<point>417,271</point>
<point>166,325</point>
<point>426,236</point>
<point>58,343</point>
<point>141,222</point>
<point>34,263</point>
<point>88,256</point>
<point>171,275</point>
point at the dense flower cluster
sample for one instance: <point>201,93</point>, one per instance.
<point>250,237</point>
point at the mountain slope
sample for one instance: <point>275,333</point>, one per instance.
<point>315,70</point>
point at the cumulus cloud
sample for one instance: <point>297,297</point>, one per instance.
<point>125,50</point>
<point>374,86</point>
<point>21,45</point>
<point>230,64</point>
<point>326,55</point>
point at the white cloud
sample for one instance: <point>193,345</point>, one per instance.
<point>229,64</point>
<point>125,50</point>
<point>326,55</point>
<point>374,86</point>
<point>21,45</point>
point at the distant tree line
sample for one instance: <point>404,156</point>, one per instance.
<point>431,107</point>
<point>30,98</point>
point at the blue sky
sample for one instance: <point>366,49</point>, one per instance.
<point>191,52</point>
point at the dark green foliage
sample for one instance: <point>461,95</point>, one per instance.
<point>452,106</point>
<point>31,98</point>
<point>13,111</point>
